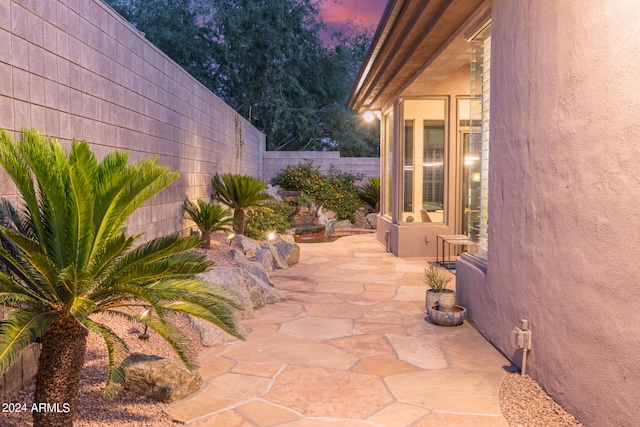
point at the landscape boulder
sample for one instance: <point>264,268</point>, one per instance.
<point>264,257</point>
<point>251,290</point>
<point>247,244</point>
<point>372,218</point>
<point>345,223</point>
<point>252,267</point>
<point>289,252</point>
<point>361,220</point>
<point>211,335</point>
<point>160,379</point>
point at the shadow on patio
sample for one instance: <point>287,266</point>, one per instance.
<point>349,347</point>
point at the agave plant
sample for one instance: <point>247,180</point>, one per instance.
<point>209,218</point>
<point>369,193</point>
<point>67,257</point>
<point>241,193</point>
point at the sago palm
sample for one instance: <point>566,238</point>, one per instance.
<point>66,257</point>
<point>241,193</point>
<point>369,192</point>
<point>208,217</point>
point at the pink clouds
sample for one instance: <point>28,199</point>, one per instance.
<point>364,13</point>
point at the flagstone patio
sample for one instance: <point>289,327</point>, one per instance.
<point>350,346</point>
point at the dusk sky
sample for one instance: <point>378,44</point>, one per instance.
<point>366,13</point>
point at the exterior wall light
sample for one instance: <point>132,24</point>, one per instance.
<point>369,116</point>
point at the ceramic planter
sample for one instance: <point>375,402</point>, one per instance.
<point>445,318</point>
<point>445,300</point>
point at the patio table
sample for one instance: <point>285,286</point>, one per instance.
<point>450,240</point>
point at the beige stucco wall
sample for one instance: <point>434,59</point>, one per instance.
<point>76,69</point>
<point>275,161</point>
<point>564,193</point>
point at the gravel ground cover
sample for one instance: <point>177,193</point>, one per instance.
<point>525,404</point>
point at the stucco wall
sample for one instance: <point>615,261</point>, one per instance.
<point>275,161</point>
<point>76,69</point>
<point>564,193</point>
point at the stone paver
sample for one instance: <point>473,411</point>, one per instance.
<point>350,347</point>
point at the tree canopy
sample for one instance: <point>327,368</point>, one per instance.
<point>268,61</point>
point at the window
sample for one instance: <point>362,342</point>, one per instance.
<point>478,142</point>
<point>424,163</point>
<point>408,166</point>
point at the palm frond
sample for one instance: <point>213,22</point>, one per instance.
<point>82,307</point>
<point>48,164</point>
<point>111,250</point>
<point>30,277</point>
<point>171,334</point>
<point>223,320</point>
<point>18,171</point>
<point>83,166</point>
<point>18,330</point>
<point>239,191</point>
<point>117,352</point>
<point>207,216</point>
<point>117,293</point>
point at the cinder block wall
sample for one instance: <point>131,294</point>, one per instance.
<point>275,161</point>
<point>76,69</point>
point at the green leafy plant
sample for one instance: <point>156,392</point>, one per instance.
<point>68,257</point>
<point>335,190</point>
<point>240,193</point>
<point>369,193</point>
<point>436,279</point>
<point>303,177</point>
<point>278,218</point>
<point>340,193</point>
<point>209,218</point>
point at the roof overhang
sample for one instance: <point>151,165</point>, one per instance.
<point>416,46</point>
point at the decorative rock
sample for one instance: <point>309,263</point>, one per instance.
<point>265,258</point>
<point>330,228</point>
<point>331,214</point>
<point>273,190</point>
<point>345,223</point>
<point>372,218</point>
<point>290,252</point>
<point>250,289</point>
<point>210,334</point>
<point>250,254</point>
<point>230,278</point>
<point>287,238</point>
<point>252,267</point>
<point>247,244</point>
<point>159,379</point>
<point>361,220</point>
<point>279,262</point>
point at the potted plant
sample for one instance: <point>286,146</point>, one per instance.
<point>437,294</point>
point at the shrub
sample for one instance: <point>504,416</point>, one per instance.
<point>340,193</point>
<point>259,223</point>
<point>304,177</point>
<point>335,190</point>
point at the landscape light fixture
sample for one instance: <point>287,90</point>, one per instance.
<point>271,236</point>
<point>230,238</point>
<point>144,336</point>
